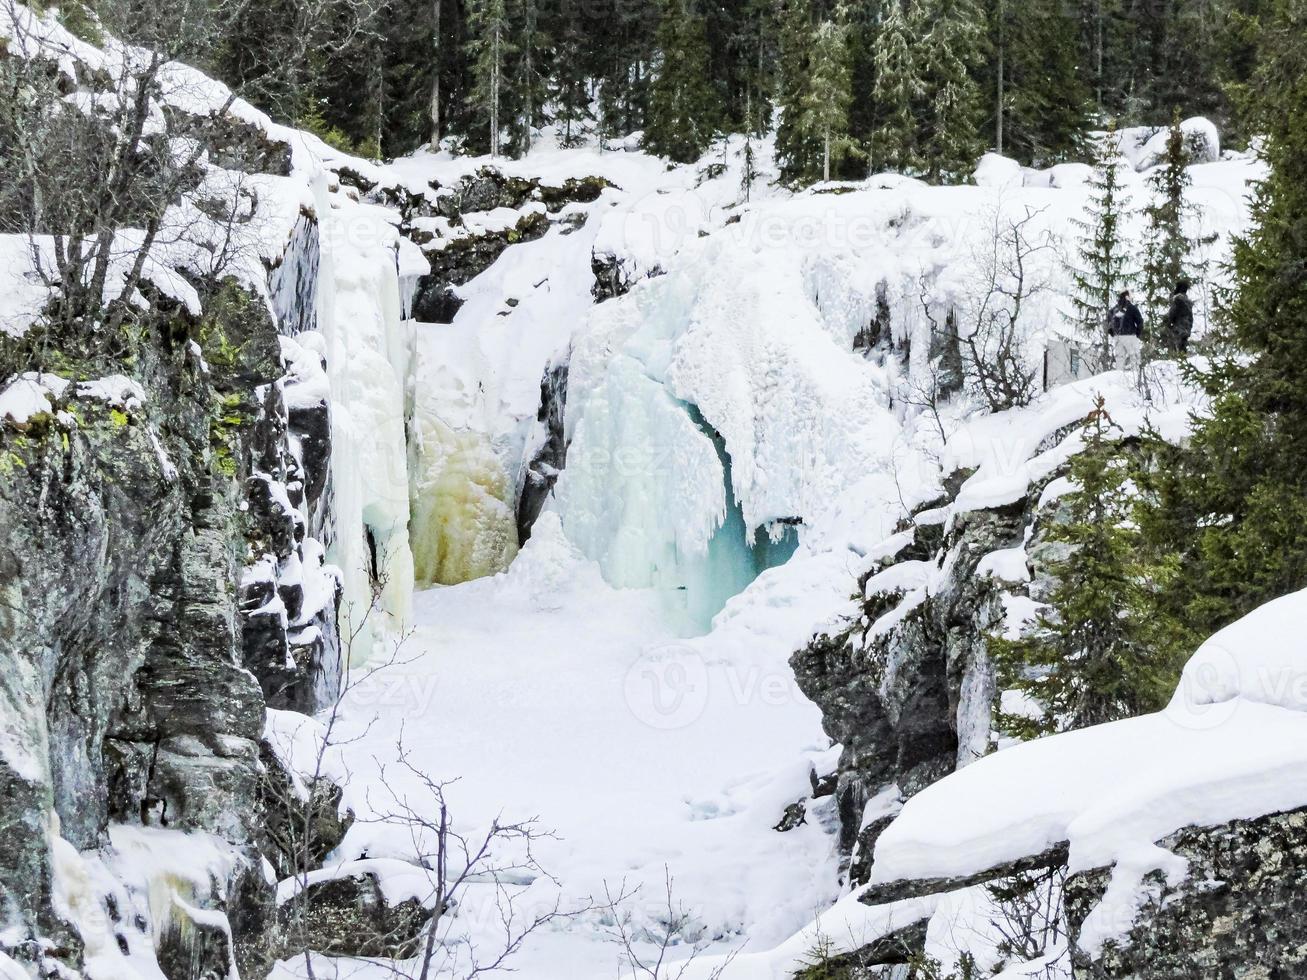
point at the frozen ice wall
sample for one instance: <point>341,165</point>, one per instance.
<point>368,349</point>
<point>710,410</point>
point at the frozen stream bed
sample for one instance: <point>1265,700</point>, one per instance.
<point>547,693</point>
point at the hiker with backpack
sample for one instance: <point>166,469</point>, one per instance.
<point>1125,325</point>
<point>1178,323</point>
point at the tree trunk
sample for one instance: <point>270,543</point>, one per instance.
<point>435,78</point>
<point>494,97</point>
<point>998,105</point>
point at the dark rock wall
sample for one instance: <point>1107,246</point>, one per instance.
<point>546,462</point>
<point>907,702</point>
<point>1238,915</point>
<point>132,691</point>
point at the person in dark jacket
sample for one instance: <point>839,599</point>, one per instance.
<point>1125,324</point>
<point>1179,322</point>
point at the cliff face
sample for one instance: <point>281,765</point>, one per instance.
<point>147,530</point>
<point>904,682</point>
<point>1238,913</point>
<point>905,685</point>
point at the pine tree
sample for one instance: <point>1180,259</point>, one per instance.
<point>1231,504</point>
<point>1090,656</point>
<point>824,106</point>
<point>797,152</point>
<point>1102,264</point>
<point>527,79</point>
<point>951,52</point>
<point>683,109</point>
<point>1168,253</point>
<point>1039,99</point>
<point>491,47</point>
<point>898,89</point>
<point>569,90</point>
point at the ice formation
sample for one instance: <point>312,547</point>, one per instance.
<point>368,350</point>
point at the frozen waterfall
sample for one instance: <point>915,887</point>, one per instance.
<point>368,349</point>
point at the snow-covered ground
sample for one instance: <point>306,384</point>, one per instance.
<point>653,742</point>
<point>734,466</point>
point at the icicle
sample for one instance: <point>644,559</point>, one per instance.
<point>369,357</point>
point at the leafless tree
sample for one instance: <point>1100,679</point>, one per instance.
<point>95,152</point>
<point>277,74</point>
<point>307,801</point>
<point>928,387</point>
<point>990,327</point>
<point>674,927</point>
<point>1029,916</point>
<point>500,858</point>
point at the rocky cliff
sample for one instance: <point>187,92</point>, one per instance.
<point>158,591</point>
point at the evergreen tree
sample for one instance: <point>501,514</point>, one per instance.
<point>899,87</point>
<point>797,152</point>
<point>824,106</point>
<point>490,46</point>
<point>1168,254</point>
<point>1102,264</point>
<point>1231,505</point>
<point>1039,100</point>
<point>683,109</point>
<point>530,85</point>
<point>569,88</point>
<point>952,50</point>
<point>1090,656</point>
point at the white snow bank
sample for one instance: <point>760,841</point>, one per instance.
<point>33,393</point>
<point>154,877</point>
<point>1231,745</point>
<point>846,926</point>
<point>1011,450</point>
<point>399,881</point>
<point>30,394</point>
<point>1201,140</point>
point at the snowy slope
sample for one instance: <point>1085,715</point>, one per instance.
<point>734,466</point>
<point>1232,744</point>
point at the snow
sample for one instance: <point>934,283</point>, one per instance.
<point>1201,140</point>
<point>153,876</point>
<point>997,171</point>
<point>585,686</point>
<point>30,394</point>
<point>400,881</point>
<point>33,393</point>
<point>734,468</point>
<point>1231,745</point>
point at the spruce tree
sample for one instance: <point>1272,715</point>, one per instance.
<point>898,89</point>
<point>1102,265</point>
<point>491,47</point>
<point>797,152</point>
<point>824,106</point>
<point>952,49</point>
<point>683,108</point>
<point>1090,656</point>
<point>568,86</point>
<point>1168,252</point>
<point>527,79</point>
<point>1231,504</point>
<point>1037,96</point>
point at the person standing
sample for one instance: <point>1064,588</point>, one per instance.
<point>1125,325</point>
<point>1179,322</point>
